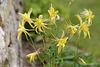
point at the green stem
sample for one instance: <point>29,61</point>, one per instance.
<point>2,65</point>
<point>43,41</point>
<point>35,50</point>
<point>76,54</point>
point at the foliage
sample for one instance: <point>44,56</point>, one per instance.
<point>70,58</point>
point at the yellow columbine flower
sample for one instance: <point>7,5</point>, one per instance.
<point>39,24</point>
<point>88,15</point>
<point>32,56</point>
<point>84,27</point>
<point>53,14</point>
<point>26,17</point>
<point>72,29</point>
<point>21,30</point>
<point>61,42</point>
<point>82,61</point>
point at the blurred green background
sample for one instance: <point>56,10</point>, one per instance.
<point>67,12</point>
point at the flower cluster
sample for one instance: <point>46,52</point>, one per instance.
<point>40,24</point>
<point>37,24</point>
<point>83,26</point>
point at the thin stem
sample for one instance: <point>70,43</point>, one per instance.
<point>43,41</point>
<point>35,50</point>
<point>76,54</point>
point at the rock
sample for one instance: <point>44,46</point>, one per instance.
<point>10,47</point>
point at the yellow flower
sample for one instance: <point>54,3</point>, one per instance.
<point>61,42</point>
<point>21,30</point>
<point>32,56</point>
<point>84,27</point>
<point>82,61</point>
<point>72,29</point>
<point>53,14</point>
<point>39,24</point>
<point>88,15</point>
<point>26,17</point>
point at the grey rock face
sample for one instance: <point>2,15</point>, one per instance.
<point>10,47</point>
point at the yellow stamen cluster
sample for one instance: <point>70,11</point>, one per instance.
<point>39,24</point>
<point>25,16</point>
